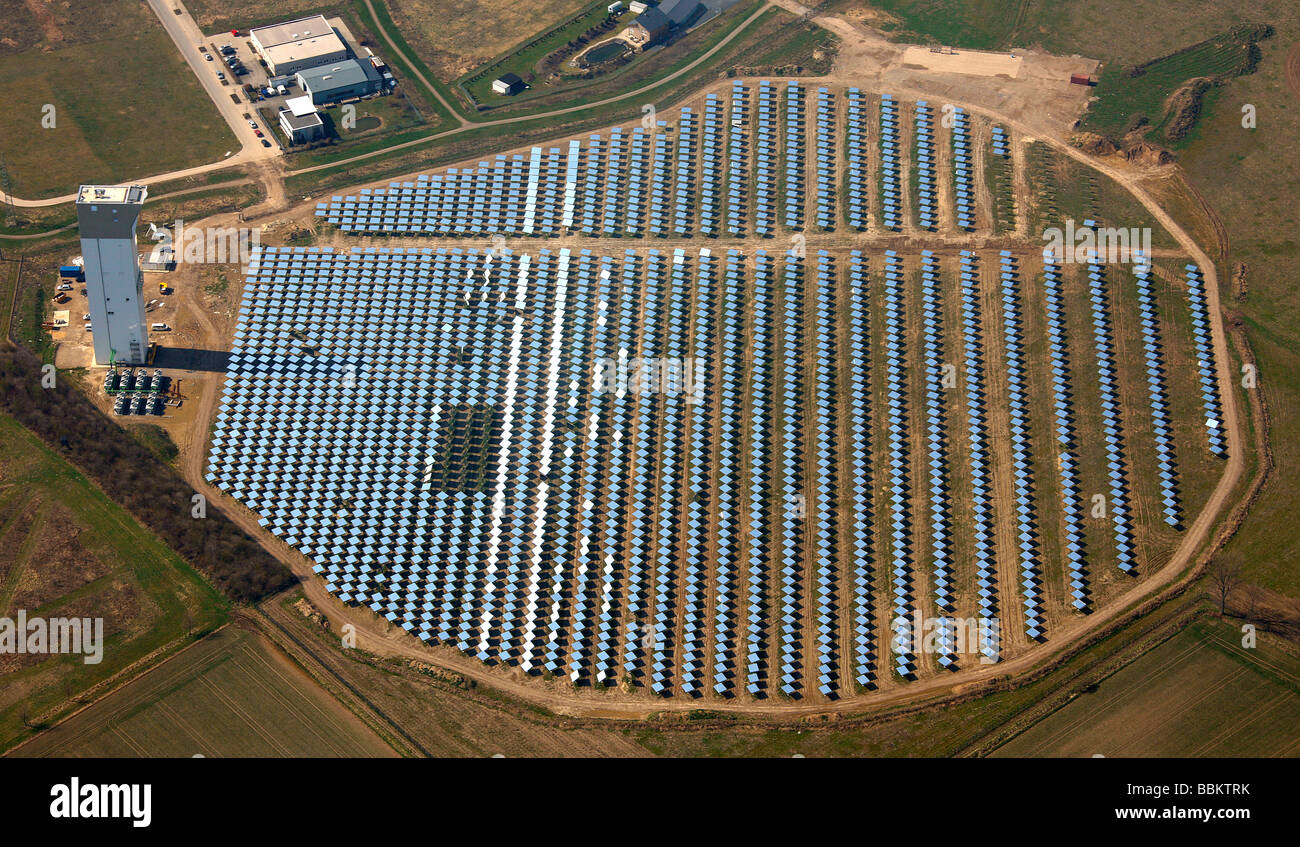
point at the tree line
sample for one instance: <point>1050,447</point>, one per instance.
<point>137,480</point>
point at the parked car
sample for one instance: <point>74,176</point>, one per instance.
<point>253,124</point>
<point>265,143</point>
<point>221,76</point>
<point>258,133</point>
<point>240,70</point>
<point>208,56</point>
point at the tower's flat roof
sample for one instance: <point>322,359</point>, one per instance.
<point>111,194</point>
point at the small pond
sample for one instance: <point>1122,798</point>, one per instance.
<point>606,52</point>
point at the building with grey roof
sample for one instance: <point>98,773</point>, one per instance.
<point>339,81</point>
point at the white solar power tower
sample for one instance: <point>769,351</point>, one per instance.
<point>106,217</point>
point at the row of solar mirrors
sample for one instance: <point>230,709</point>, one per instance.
<point>349,415</point>
<point>732,169</point>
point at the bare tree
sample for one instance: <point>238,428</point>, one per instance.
<point>1253,608</point>
<point>1225,576</point>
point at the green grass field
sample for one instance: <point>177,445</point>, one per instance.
<point>1251,177</point>
<point>67,550</point>
<point>978,24</point>
<point>374,117</point>
<point>230,695</point>
<point>1124,100</point>
<point>126,105</point>
<point>1199,694</point>
<point>523,58</point>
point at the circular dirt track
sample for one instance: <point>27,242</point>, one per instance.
<point>1293,69</point>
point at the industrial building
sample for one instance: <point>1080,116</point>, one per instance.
<point>650,26</point>
<point>508,84</point>
<point>655,23</point>
<point>300,121</point>
<point>680,13</point>
<point>339,81</point>
<point>297,45</point>
<point>106,218</point>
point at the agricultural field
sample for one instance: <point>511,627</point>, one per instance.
<point>218,15</point>
<point>766,538</point>
<point>68,551</point>
<point>1199,694</point>
<point>453,36</point>
<point>233,694</point>
<point>125,103</point>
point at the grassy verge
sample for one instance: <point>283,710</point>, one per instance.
<point>409,63</point>
<point>150,598</point>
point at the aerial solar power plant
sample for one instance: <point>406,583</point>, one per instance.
<point>621,379</point>
<point>757,400</point>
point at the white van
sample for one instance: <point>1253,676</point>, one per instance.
<point>282,90</point>
<point>160,327</point>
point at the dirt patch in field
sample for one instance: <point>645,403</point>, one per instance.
<point>47,21</point>
<point>58,562</point>
<point>456,36</point>
<point>877,18</point>
<point>17,521</point>
<point>120,605</point>
<point>1293,69</point>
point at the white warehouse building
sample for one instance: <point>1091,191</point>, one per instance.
<point>297,45</point>
<point>106,218</point>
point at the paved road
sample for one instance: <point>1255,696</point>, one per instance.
<point>187,36</point>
